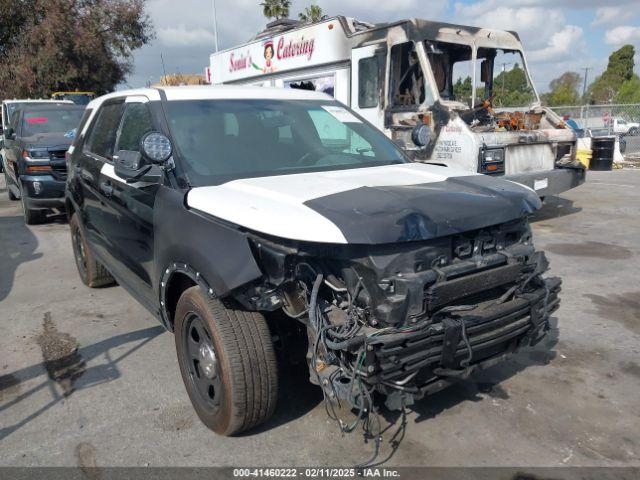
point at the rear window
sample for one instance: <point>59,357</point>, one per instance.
<point>59,120</point>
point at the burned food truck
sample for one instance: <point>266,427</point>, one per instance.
<point>448,94</point>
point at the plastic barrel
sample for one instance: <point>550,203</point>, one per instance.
<point>602,153</point>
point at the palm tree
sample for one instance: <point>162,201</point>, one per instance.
<point>276,8</point>
<point>312,14</point>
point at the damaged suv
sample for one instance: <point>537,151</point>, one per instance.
<point>216,207</point>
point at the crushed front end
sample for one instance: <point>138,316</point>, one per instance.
<point>406,319</point>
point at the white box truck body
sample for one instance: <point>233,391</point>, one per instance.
<point>469,85</point>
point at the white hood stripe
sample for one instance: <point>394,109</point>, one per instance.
<point>275,205</point>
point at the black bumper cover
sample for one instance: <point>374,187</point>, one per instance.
<point>438,355</point>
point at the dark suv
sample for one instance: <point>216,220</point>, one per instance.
<point>219,207</point>
<point>35,145</point>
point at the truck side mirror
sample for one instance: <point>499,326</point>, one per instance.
<point>484,71</point>
<point>10,133</point>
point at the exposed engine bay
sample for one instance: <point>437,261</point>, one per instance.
<point>407,319</point>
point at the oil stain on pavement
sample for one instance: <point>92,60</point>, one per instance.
<point>623,308</point>
<point>605,251</point>
<point>62,361</point>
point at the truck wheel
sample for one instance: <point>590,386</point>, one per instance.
<point>31,217</point>
<point>633,131</point>
<point>9,192</point>
<point>92,272</point>
<point>227,362</point>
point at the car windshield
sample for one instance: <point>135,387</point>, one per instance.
<point>51,120</point>
<point>222,140</point>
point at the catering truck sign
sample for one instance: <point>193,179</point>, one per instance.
<point>278,53</point>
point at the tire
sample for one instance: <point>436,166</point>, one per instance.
<point>9,192</point>
<point>237,390</point>
<point>31,217</point>
<point>633,131</point>
<point>92,273</point>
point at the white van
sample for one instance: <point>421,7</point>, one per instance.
<point>469,85</point>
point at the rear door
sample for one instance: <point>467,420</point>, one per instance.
<point>97,152</point>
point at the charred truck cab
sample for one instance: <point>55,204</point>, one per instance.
<point>216,207</point>
<point>470,86</point>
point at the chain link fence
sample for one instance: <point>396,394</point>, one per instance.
<point>622,121</point>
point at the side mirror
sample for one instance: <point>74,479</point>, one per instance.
<point>484,71</point>
<point>156,147</point>
<point>10,133</point>
<point>131,167</point>
<point>421,135</point>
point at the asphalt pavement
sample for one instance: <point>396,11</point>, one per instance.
<point>89,378</point>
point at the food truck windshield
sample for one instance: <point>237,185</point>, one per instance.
<point>500,75</point>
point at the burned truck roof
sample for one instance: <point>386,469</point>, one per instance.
<point>413,28</point>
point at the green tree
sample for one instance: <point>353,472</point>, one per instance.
<point>312,14</point>
<point>276,8</point>
<point>462,89</point>
<point>619,70</point>
<point>512,89</point>
<point>71,45</point>
<point>564,90</point>
<point>629,91</point>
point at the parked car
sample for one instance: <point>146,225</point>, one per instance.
<point>216,207</point>
<point>621,126</point>
<point>79,98</point>
<point>10,106</point>
<point>34,148</point>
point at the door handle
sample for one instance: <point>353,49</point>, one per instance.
<point>106,188</point>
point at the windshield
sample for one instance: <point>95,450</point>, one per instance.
<point>500,75</point>
<point>222,140</point>
<point>58,120</point>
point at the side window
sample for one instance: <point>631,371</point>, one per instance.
<point>83,122</point>
<point>368,82</point>
<point>136,122</point>
<point>325,84</point>
<point>103,132</point>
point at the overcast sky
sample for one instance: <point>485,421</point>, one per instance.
<point>557,35</point>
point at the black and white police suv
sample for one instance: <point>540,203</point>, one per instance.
<point>220,207</point>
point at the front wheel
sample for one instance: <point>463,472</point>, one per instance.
<point>31,217</point>
<point>227,362</point>
<point>12,196</point>
<point>633,131</point>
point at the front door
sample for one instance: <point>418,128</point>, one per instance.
<point>130,208</point>
<point>367,83</point>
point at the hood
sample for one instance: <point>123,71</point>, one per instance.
<point>47,140</point>
<point>387,204</point>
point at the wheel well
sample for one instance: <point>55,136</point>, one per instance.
<point>178,283</point>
